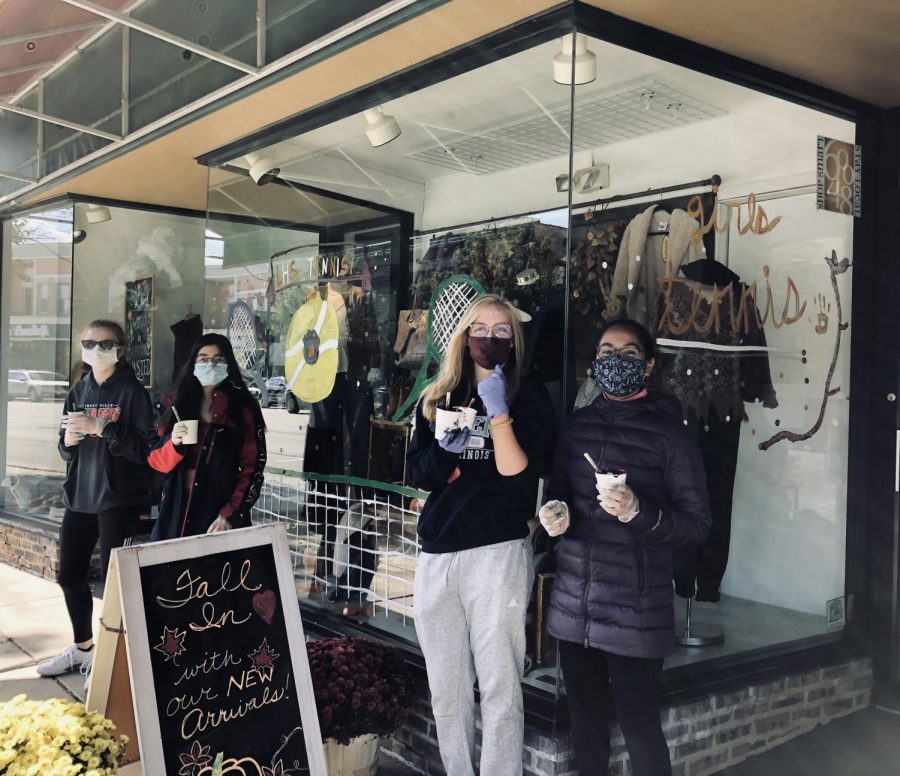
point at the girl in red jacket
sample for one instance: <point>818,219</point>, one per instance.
<point>213,484</point>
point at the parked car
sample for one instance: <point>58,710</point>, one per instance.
<point>276,388</point>
<point>256,386</point>
<point>35,385</point>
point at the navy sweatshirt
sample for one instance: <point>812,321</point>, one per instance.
<point>110,471</point>
<point>479,506</point>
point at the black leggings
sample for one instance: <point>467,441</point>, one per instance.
<point>77,539</point>
<point>595,678</point>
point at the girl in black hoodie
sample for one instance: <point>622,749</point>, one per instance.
<point>108,483</point>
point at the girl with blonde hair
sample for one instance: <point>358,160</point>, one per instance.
<point>474,571</point>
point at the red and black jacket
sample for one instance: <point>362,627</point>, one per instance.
<point>228,478</point>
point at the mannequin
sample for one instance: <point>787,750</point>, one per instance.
<point>702,305</point>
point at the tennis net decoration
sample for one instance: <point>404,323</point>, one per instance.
<point>353,541</point>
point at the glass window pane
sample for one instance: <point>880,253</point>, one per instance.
<point>291,25</point>
<point>132,245</point>
<point>96,101</point>
<point>738,286</point>
<point>164,77</point>
<point>34,356</point>
<point>459,160</point>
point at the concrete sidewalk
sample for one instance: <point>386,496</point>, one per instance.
<point>34,625</point>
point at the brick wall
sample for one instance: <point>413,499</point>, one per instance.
<point>34,548</point>
<point>29,547</point>
<point>704,736</point>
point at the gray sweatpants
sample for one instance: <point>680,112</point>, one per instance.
<point>469,610</point>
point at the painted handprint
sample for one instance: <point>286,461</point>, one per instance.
<point>823,310</point>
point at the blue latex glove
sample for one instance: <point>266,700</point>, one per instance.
<point>493,393</point>
<point>456,440</point>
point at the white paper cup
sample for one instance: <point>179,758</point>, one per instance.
<point>76,414</point>
<point>608,480</point>
<point>190,429</point>
<point>468,417</point>
<point>446,420</point>
<point>450,420</point>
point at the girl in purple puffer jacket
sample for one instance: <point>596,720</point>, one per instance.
<point>612,604</point>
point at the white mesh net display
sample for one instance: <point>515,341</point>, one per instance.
<point>447,309</point>
<point>242,333</point>
<point>351,544</point>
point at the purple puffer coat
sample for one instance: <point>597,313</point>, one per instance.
<point>613,585</point>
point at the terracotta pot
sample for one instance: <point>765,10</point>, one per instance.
<point>358,758</point>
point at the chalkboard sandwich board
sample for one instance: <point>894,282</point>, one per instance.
<point>201,654</point>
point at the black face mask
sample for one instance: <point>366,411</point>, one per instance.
<point>488,352</point>
<point>619,376</point>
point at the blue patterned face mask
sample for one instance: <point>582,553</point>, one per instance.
<point>619,376</point>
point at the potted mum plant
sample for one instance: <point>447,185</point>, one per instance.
<point>56,736</point>
<point>362,689</point>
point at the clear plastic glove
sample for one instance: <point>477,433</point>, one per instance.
<point>86,425</point>
<point>455,440</point>
<point>554,516</point>
<point>620,501</point>
<point>493,393</point>
<point>72,438</point>
<point>219,524</point>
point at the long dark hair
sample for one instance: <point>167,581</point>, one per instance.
<point>636,330</point>
<point>115,328</point>
<point>188,393</point>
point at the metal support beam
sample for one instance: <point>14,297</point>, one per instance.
<point>27,36</point>
<point>126,80</point>
<point>40,131</point>
<point>17,177</point>
<point>168,37</point>
<point>63,61</point>
<point>59,122</point>
<point>261,33</point>
<point>26,68</point>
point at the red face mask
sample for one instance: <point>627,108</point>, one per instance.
<point>488,352</point>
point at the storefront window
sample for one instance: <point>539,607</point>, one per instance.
<point>34,356</point>
<point>718,249</point>
<point>745,284</point>
<point>649,191</point>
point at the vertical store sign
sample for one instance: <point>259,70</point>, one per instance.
<point>838,176</point>
<point>215,677</point>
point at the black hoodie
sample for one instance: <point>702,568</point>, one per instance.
<point>470,503</point>
<point>111,470</point>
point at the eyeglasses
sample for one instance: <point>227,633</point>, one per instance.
<point>104,344</point>
<point>500,331</point>
<point>216,360</point>
<point>627,351</point>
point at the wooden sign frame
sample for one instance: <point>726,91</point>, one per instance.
<point>122,686</point>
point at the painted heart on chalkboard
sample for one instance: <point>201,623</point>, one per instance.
<point>264,605</point>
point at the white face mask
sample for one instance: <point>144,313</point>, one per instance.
<point>96,358</point>
<point>210,374</point>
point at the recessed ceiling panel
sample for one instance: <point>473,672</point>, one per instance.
<point>600,120</point>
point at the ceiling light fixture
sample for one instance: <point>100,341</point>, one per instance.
<point>263,170</point>
<point>585,61</point>
<point>591,178</point>
<point>97,214</point>
<point>381,128</point>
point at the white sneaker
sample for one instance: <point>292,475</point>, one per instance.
<point>66,661</point>
<point>85,669</point>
